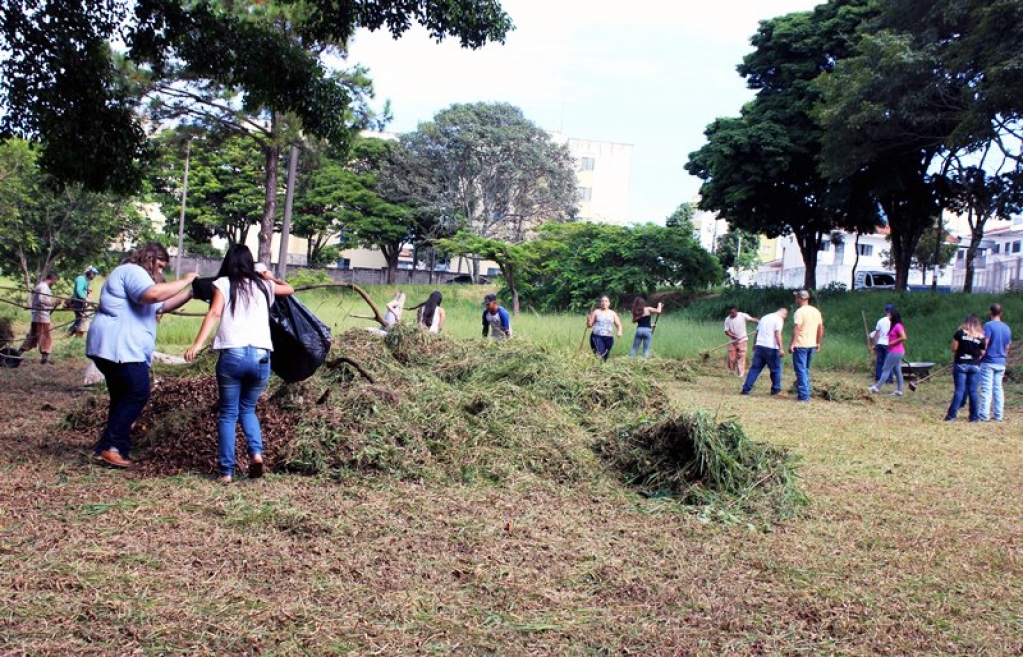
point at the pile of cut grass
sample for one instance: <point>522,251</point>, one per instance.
<point>702,462</point>
<point>447,410</point>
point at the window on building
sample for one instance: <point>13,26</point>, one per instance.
<point>493,271</point>
<point>585,193</point>
<point>824,245</point>
<point>996,248</point>
<point>586,163</point>
<point>1015,247</point>
<point>344,263</point>
<point>866,249</point>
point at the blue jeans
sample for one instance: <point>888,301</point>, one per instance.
<point>991,393</point>
<point>644,336</point>
<point>242,374</point>
<point>764,357</point>
<point>602,345</point>
<point>128,385</point>
<point>801,359</point>
<point>965,378</point>
<point>892,365</point>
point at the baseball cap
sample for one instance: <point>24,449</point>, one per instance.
<point>489,298</point>
<point>801,294</point>
<point>890,307</point>
<point>260,268</point>
<point>92,270</point>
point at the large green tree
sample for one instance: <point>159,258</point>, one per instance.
<point>761,170</point>
<point>49,225</point>
<point>343,199</point>
<point>573,264</point>
<point>491,169</point>
<point>225,184</point>
<point>255,65</point>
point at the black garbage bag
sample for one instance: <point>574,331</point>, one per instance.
<point>301,340</point>
<point>202,288</point>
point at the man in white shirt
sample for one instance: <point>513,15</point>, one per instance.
<point>768,351</point>
<point>735,329</point>
<point>880,339</point>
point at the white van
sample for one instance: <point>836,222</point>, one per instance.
<point>874,280</point>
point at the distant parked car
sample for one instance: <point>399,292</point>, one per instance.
<point>466,279</point>
<point>874,280</point>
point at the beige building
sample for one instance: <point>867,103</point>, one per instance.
<point>602,172</point>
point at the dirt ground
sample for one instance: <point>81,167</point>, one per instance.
<point>911,545</point>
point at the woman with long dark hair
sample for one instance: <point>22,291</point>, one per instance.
<point>896,351</point>
<point>968,345</point>
<point>242,297</point>
<point>122,338</point>
<point>644,328</point>
<point>430,315</point>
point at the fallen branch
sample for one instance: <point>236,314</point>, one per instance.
<point>337,362</point>
<point>362,293</point>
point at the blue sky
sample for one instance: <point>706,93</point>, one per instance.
<point>653,79</point>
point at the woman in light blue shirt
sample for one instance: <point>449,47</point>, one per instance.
<point>122,338</point>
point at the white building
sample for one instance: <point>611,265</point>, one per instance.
<point>998,265</point>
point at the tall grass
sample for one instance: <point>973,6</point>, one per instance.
<point>686,334</point>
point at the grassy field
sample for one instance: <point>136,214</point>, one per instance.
<point>910,545</point>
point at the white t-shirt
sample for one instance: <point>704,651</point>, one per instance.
<point>737,326</point>
<point>769,325</point>
<point>249,324</point>
<point>883,326</point>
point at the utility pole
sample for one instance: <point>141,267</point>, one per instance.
<point>181,219</point>
<point>289,197</point>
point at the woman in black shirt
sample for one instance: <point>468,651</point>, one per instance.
<point>968,345</point>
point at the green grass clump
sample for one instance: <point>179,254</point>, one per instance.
<point>703,462</point>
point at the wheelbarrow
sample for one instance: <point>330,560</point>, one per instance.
<point>916,373</point>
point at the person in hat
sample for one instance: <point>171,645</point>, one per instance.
<point>496,321</point>
<point>807,335</point>
<point>880,339</point>
<point>43,303</point>
<point>80,298</point>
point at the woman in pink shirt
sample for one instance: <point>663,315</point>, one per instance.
<point>896,350</point>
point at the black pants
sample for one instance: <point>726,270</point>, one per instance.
<point>128,384</point>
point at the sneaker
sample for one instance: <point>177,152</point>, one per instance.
<point>896,393</point>
<point>872,390</point>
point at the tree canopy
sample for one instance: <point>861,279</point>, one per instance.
<point>490,170</point>
<point>575,263</point>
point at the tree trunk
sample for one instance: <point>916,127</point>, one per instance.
<point>266,225</point>
<point>856,263</point>
<point>509,279</point>
<point>976,235</point>
<point>808,248</point>
<point>391,254</point>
